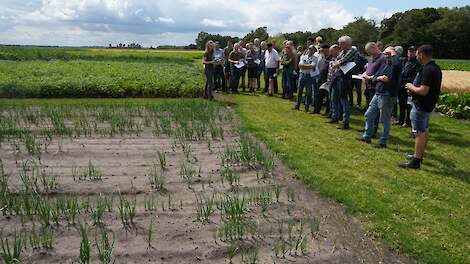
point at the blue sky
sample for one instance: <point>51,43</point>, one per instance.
<point>177,22</point>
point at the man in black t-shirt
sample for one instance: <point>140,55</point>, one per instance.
<point>425,95</point>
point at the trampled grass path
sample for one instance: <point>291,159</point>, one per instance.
<point>424,213</point>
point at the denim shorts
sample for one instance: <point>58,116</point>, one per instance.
<point>270,72</point>
<point>419,120</point>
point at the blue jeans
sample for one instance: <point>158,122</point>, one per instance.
<point>305,81</point>
<point>380,106</point>
<point>316,90</point>
<point>339,98</point>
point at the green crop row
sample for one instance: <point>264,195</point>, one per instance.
<point>60,79</point>
<point>454,65</point>
<point>454,105</point>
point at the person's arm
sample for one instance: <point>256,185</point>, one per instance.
<point>206,61</point>
<point>422,90</point>
<point>424,87</point>
<point>349,57</point>
<point>231,59</point>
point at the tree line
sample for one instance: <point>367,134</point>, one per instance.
<point>447,29</point>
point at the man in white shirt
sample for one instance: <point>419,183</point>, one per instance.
<point>308,72</point>
<point>272,66</point>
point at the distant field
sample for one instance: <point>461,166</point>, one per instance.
<point>454,65</point>
<point>31,53</point>
<point>456,81</point>
<point>68,72</point>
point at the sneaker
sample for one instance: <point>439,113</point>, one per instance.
<point>362,139</point>
<point>412,164</point>
<point>345,126</point>
<point>380,145</point>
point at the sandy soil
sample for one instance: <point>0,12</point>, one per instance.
<point>178,236</point>
<point>456,81</point>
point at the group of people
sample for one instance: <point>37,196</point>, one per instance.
<point>404,89</point>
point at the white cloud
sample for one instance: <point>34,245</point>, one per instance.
<point>377,15</point>
<point>97,22</point>
<point>213,23</point>
<point>167,20</point>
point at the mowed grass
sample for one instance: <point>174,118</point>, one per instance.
<point>424,213</point>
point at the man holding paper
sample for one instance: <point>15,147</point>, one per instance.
<point>236,59</point>
<point>342,81</point>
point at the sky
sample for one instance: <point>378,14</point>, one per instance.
<point>177,22</point>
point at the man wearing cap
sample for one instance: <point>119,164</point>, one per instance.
<point>425,92</point>
<point>410,70</point>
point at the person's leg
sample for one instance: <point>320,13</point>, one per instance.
<point>350,96</point>
<point>210,83</point>
<point>370,116</point>
<point>402,98</point>
<point>315,91</point>
<point>300,92</point>
<point>359,92</point>
<point>421,142</point>
<point>284,83</point>
<point>335,100</point>
<point>420,128</point>
<point>291,79</point>
<point>321,97</point>
<point>346,88</point>
<point>235,80</point>
<point>275,85</point>
<point>386,107</point>
<point>408,110</point>
<point>308,92</point>
<point>266,80</point>
<point>242,77</point>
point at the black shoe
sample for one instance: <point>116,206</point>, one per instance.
<point>380,145</point>
<point>362,139</point>
<point>306,110</point>
<point>345,126</point>
<point>296,108</point>
<point>413,164</point>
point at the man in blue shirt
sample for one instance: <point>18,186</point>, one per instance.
<point>381,104</point>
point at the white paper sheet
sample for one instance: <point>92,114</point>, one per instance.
<point>257,61</point>
<point>347,67</point>
<point>240,64</point>
<point>358,77</point>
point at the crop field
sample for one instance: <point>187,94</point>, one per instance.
<point>454,65</point>
<point>161,181</point>
<point>47,72</point>
<point>456,81</point>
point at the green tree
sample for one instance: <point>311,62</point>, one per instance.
<point>261,33</point>
<point>361,31</point>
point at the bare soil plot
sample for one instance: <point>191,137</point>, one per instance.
<point>218,199</point>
